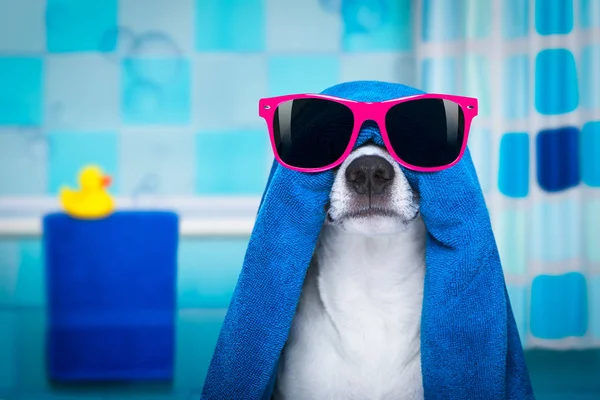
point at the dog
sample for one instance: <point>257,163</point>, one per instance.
<point>356,331</point>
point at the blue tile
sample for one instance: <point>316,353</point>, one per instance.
<point>442,20</point>
<point>591,229</point>
<point>556,90</point>
<point>480,146</point>
<point>197,334</point>
<point>513,171</point>
<point>518,301</point>
<point>590,13</point>
<point>372,26</point>
<point>30,350</point>
<point>9,270</point>
<point>590,77</point>
<point>558,158</point>
<point>221,155</point>
<point>156,91</point>
<point>8,355</point>
<point>22,91</point>
<point>23,150</point>
<point>516,87</point>
<point>439,75</point>
<point>554,16</point>
<point>590,149</point>
<point>76,26</point>
<point>512,232</point>
<point>515,18</point>
<point>559,306</point>
<point>595,306</point>
<point>230,25</point>
<point>30,289</point>
<point>302,74</point>
<point>477,69</point>
<point>555,231</point>
<point>70,151</point>
<point>208,271</point>
<point>157,162</point>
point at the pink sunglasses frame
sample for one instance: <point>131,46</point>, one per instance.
<point>368,111</point>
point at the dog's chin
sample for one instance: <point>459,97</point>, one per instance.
<point>373,223</point>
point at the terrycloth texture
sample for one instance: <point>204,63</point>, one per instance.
<point>111,296</point>
<point>470,346</point>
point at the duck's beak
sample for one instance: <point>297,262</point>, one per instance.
<point>106,181</point>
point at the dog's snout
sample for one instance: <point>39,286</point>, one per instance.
<point>370,174</point>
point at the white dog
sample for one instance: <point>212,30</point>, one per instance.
<point>356,332</point>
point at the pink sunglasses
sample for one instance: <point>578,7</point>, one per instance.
<point>314,132</point>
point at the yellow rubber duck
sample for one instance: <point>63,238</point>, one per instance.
<point>92,201</point>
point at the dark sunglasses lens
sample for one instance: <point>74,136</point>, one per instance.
<point>312,133</point>
<point>426,133</point>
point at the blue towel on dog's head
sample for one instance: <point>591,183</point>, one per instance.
<point>470,348</point>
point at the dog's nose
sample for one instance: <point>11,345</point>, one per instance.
<point>370,174</point>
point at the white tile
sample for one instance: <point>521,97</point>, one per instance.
<point>306,25</point>
<point>226,90</point>
<point>22,28</point>
<point>82,92</point>
<point>387,67</point>
<point>159,27</point>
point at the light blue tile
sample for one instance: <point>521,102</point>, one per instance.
<point>238,154</point>
<point>227,88</point>
<point>595,306</point>
<point>590,77</point>
<point>386,67</point>
<point>302,74</point>
<point>208,271</point>
<point>590,149</point>
<point>512,233</point>
<point>515,18</point>
<point>518,302</point>
<point>23,150</point>
<point>75,101</point>
<point>76,26</point>
<point>8,355</point>
<point>21,30</point>
<point>478,16</point>
<point>30,347</point>
<point>157,162</point>
<point>513,171</point>
<point>516,96</point>
<point>559,306</point>
<point>230,25</point>
<point>591,214</point>
<point>480,146</point>
<point>552,95</point>
<point>30,287</point>
<point>156,91</point>
<point>22,91</point>
<point>554,16</point>
<point>439,75</point>
<point>376,26</point>
<point>70,151</point>
<point>555,232</point>
<point>287,20</point>
<point>197,334</point>
<point>9,270</point>
<point>477,82</point>
<point>443,20</point>
<point>590,13</point>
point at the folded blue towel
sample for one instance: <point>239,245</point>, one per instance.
<point>470,347</point>
<point>111,296</point>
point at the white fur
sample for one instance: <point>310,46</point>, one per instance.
<point>356,333</point>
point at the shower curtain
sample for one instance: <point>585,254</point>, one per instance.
<point>536,146</point>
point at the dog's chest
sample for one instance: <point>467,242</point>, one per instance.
<point>356,332</point>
